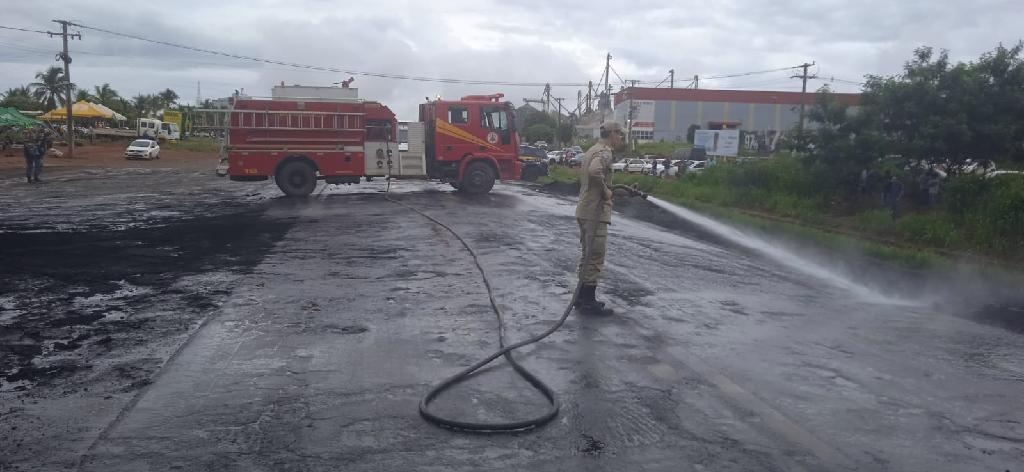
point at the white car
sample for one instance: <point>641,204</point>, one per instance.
<point>638,165</point>
<point>142,149</point>
<point>697,166</point>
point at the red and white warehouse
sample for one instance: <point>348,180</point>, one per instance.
<point>664,114</point>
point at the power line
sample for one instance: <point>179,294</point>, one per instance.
<point>23,29</point>
<point>836,79</point>
<point>744,74</point>
<point>617,75</point>
<point>330,69</point>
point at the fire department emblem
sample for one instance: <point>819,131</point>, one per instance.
<point>492,137</point>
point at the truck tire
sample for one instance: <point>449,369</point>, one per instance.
<point>478,178</point>
<point>296,178</point>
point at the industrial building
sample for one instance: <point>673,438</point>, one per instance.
<point>666,114</point>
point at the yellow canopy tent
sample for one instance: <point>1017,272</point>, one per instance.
<point>82,109</point>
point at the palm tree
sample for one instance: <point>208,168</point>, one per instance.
<point>167,98</point>
<point>106,95</point>
<point>14,92</point>
<point>143,104</point>
<point>51,87</point>
<point>81,95</point>
<point>20,98</point>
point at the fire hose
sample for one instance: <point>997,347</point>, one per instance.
<point>504,350</point>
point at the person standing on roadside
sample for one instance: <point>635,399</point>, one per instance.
<point>594,214</point>
<point>34,151</point>
<point>893,194</point>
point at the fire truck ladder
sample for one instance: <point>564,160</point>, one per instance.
<point>336,128</point>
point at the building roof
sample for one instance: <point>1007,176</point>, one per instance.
<point>732,96</point>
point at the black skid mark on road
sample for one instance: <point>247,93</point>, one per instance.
<point>1009,316</point>
<point>68,287</point>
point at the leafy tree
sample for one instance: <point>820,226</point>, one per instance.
<point>50,87</point>
<point>21,99</point>
<point>566,132</point>
<point>938,110</point>
<point>539,132</point>
<point>166,98</point>
<point>842,143</point>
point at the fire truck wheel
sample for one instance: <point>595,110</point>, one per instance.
<point>478,178</point>
<point>296,179</point>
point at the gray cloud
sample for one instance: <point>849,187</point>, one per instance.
<point>529,41</point>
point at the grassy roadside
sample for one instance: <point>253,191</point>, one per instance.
<point>193,145</point>
<point>799,223</point>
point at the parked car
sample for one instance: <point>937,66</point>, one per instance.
<point>697,166</point>
<point>638,165</point>
<point>142,149</point>
<point>698,153</point>
<point>534,170</point>
<point>1005,174</point>
<point>619,166</point>
<point>532,154</point>
<point>556,156</point>
<point>577,160</point>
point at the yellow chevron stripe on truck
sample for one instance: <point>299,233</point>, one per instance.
<point>451,130</point>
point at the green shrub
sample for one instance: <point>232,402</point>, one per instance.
<point>877,222</point>
<point>931,229</point>
<point>989,211</point>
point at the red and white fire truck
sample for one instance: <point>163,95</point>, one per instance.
<point>468,142</point>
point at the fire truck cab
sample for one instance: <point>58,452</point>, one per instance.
<point>471,141</point>
<point>468,143</point>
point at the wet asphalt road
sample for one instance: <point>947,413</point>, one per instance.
<point>313,353</point>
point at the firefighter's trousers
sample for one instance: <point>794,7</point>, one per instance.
<point>590,267</point>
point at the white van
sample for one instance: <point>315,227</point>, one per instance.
<point>157,129</point>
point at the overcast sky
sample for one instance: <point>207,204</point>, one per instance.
<point>517,41</point>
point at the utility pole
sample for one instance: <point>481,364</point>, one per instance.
<point>696,82</point>
<point>607,66</point>
<point>63,56</point>
<point>803,94</point>
<point>629,124</point>
<point>558,127</point>
<point>547,97</point>
<point>671,78</point>
<point>590,97</point>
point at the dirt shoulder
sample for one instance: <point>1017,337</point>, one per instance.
<point>111,155</point>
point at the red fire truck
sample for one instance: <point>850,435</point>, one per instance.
<point>468,143</point>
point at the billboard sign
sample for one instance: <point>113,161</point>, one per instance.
<point>724,142</point>
<point>173,116</point>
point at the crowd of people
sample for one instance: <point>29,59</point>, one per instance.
<point>928,184</point>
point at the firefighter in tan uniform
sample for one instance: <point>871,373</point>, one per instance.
<point>594,214</point>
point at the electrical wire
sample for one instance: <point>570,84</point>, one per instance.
<point>744,74</point>
<point>24,29</point>
<point>617,74</point>
<point>329,69</point>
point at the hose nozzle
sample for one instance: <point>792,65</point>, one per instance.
<point>633,190</point>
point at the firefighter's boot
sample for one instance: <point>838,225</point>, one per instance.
<point>587,303</point>
<point>587,293</point>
